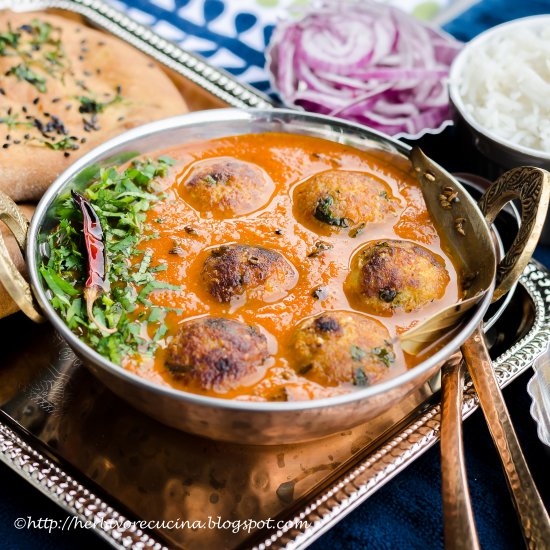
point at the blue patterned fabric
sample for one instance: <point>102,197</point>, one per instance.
<point>232,35</point>
<point>405,514</point>
<point>490,13</point>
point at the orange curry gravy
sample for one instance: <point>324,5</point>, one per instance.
<point>288,160</point>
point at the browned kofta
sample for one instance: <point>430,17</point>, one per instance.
<point>342,199</point>
<point>395,275</point>
<point>224,187</point>
<point>214,353</point>
<point>340,346</point>
<point>232,270</point>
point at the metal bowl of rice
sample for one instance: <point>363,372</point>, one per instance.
<point>499,86</point>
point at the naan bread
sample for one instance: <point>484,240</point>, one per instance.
<point>71,87</point>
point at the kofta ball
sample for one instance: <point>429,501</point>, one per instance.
<point>339,346</point>
<point>341,199</point>
<point>232,270</point>
<point>224,187</point>
<point>394,275</point>
<point>214,353</point>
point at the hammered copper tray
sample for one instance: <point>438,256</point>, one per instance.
<point>101,460</point>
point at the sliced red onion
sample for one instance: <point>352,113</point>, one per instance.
<point>366,62</point>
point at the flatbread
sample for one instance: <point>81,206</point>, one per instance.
<point>84,87</point>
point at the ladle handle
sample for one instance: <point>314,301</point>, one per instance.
<point>17,287</point>
<point>459,526</point>
<point>533,516</point>
<point>532,187</point>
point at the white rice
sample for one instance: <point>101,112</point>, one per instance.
<point>505,85</point>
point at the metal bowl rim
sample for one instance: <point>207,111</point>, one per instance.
<point>212,116</point>
<point>456,98</point>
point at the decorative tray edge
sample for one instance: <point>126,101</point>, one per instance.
<point>73,497</point>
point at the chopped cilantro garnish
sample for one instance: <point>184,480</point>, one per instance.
<point>387,295</point>
<point>157,268</point>
<point>360,378</point>
<point>91,105</point>
<point>121,199</point>
<point>156,315</point>
<point>23,72</point>
<point>323,212</point>
<point>67,143</point>
<point>357,230</point>
<point>167,161</point>
<point>37,43</point>
<point>385,355</point>
<point>154,285</point>
<point>55,57</point>
<point>41,32</point>
<point>209,180</point>
<point>11,121</point>
<point>59,286</point>
<point>8,39</point>
<point>357,354</point>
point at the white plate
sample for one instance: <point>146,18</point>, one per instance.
<point>539,390</point>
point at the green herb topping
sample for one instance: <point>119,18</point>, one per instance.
<point>323,212</point>
<point>357,354</point>
<point>23,72</point>
<point>91,105</point>
<point>385,355</point>
<point>63,144</point>
<point>320,247</point>
<point>121,200</point>
<point>360,378</point>
<point>357,230</point>
<point>12,121</point>
<point>209,180</point>
<point>41,32</point>
<point>8,39</point>
<point>387,295</point>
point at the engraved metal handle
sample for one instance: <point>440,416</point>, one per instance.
<point>16,286</point>
<point>533,516</point>
<point>532,187</point>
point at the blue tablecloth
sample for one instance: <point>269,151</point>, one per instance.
<point>407,512</point>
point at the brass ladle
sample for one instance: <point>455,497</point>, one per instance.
<point>531,186</point>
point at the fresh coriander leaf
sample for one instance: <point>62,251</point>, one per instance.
<point>323,212</point>
<point>23,72</point>
<point>41,31</point>
<point>67,143</point>
<point>385,355</point>
<point>8,39</point>
<point>360,378</point>
<point>93,106</point>
<point>357,354</point>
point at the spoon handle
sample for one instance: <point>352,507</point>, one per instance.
<point>532,514</point>
<point>459,526</point>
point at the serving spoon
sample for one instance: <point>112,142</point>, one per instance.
<point>532,187</point>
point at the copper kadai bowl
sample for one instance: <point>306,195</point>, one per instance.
<point>227,420</point>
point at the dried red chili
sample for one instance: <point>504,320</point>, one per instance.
<point>96,283</point>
